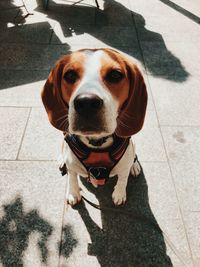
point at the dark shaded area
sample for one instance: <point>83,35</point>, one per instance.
<point>127,29</point>
<point>24,63</point>
<point>15,228</point>
<point>115,25</point>
<point>125,240</point>
<point>68,242</point>
<point>46,3</point>
<point>182,10</point>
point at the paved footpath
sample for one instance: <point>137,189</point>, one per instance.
<point>37,229</point>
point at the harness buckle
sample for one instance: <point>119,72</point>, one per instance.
<point>97,175</point>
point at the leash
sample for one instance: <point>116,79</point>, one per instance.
<point>140,217</point>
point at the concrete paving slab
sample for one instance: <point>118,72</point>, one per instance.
<point>19,56</point>
<point>39,32</point>
<point>114,13</point>
<point>152,8</point>
<point>182,143</point>
<point>12,124</point>
<point>186,178</point>
<point>149,144</point>
<point>161,60</point>
<point>162,9</point>
<point>184,4</point>
<point>31,213</point>
<point>155,26</point>
<point>17,91</point>
<point>71,14</point>
<point>187,54</point>
<point>174,100</point>
<point>98,238</point>
<point>73,36</point>
<point>151,119</point>
<point>113,36</point>
<point>10,79</point>
<point>41,141</point>
<point>192,222</point>
<point>165,206</point>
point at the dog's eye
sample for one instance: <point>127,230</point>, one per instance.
<point>71,76</point>
<point>114,76</point>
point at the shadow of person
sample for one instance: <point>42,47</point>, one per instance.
<point>120,28</point>
<point>114,26</point>
<point>123,239</point>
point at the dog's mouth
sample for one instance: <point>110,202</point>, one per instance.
<point>92,126</point>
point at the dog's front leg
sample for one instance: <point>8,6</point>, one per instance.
<point>73,195</point>
<point>119,193</point>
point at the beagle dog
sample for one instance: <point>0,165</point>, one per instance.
<point>98,99</point>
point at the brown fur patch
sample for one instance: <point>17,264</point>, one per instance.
<point>118,90</point>
<point>74,62</point>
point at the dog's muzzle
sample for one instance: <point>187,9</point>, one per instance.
<point>89,110</point>
<point>87,104</point>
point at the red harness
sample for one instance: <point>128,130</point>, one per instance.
<point>98,162</point>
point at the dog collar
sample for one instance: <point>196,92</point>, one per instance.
<point>98,142</point>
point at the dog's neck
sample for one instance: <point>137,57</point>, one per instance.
<point>98,143</point>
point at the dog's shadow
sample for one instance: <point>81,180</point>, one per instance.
<point>123,239</point>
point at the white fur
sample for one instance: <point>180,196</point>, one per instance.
<point>91,83</point>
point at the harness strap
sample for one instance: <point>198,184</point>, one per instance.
<point>98,162</point>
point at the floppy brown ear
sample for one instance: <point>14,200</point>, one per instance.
<point>56,108</point>
<point>131,117</point>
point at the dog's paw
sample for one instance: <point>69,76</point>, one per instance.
<point>73,197</point>
<point>135,169</point>
<point>119,196</point>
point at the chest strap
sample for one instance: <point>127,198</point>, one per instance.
<point>98,162</point>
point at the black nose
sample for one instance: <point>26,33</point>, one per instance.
<point>87,104</point>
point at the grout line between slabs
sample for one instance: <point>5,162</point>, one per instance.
<point>139,45</point>
<point>29,114</point>
<point>180,209</point>
<point>63,220</point>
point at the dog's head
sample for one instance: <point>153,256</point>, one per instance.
<point>95,92</point>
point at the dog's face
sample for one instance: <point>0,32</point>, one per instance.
<point>95,86</point>
<point>93,92</point>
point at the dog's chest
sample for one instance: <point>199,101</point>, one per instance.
<point>95,163</point>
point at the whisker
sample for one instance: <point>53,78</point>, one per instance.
<point>62,117</point>
<point>63,123</point>
<point>66,126</point>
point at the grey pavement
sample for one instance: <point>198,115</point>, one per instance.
<point>37,228</point>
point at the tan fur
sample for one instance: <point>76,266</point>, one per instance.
<point>125,106</point>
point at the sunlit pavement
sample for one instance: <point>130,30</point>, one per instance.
<point>36,226</point>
